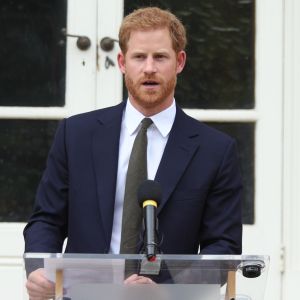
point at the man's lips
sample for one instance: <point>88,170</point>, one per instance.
<point>150,83</point>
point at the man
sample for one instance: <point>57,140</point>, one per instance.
<point>82,190</point>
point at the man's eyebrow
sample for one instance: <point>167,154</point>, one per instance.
<point>162,52</point>
<point>138,52</point>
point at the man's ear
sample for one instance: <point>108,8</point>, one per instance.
<point>181,59</point>
<point>121,62</point>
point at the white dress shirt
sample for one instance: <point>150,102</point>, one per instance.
<point>157,134</point>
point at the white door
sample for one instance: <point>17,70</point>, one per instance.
<point>44,77</point>
<point>93,80</point>
<point>218,90</point>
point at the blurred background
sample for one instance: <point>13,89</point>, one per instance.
<point>242,77</point>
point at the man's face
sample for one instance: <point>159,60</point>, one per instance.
<point>150,67</point>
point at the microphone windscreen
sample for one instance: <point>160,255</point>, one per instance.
<point>149,190</point>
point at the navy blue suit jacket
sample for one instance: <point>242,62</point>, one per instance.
<point>199,174</point>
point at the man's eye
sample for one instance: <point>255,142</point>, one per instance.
<point>160,57</point>
<point>139,56</point>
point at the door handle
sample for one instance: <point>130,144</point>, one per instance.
<point>83,42</point>
<point>107,43</point>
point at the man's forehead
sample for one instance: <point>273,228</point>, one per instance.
<point>155,39</point>
<point>149,32</point>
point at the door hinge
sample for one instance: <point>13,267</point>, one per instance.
<point>282,259</point>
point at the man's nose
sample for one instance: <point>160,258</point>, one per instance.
<point>150,66</point>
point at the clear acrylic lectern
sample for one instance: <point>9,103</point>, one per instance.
<point>176,277</point>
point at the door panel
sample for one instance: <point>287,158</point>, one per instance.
<point>31,57</point>
<point>109,78</point>
<point>235,52</point>
<point>45,77</point>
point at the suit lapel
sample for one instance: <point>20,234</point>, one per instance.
<point>105,148</point>
<point>181,146</point>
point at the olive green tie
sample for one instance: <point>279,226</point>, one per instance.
<point>136,174</point>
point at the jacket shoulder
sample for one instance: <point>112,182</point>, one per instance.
<point>203,130</point>
<point>99,114</point>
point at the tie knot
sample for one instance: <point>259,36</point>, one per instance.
<point>146,122</point>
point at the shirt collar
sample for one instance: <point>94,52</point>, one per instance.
<point>163,121</point>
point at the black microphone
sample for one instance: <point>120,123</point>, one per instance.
<point>149,196</point>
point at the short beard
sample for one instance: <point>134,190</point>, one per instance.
<point>150,99</point>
